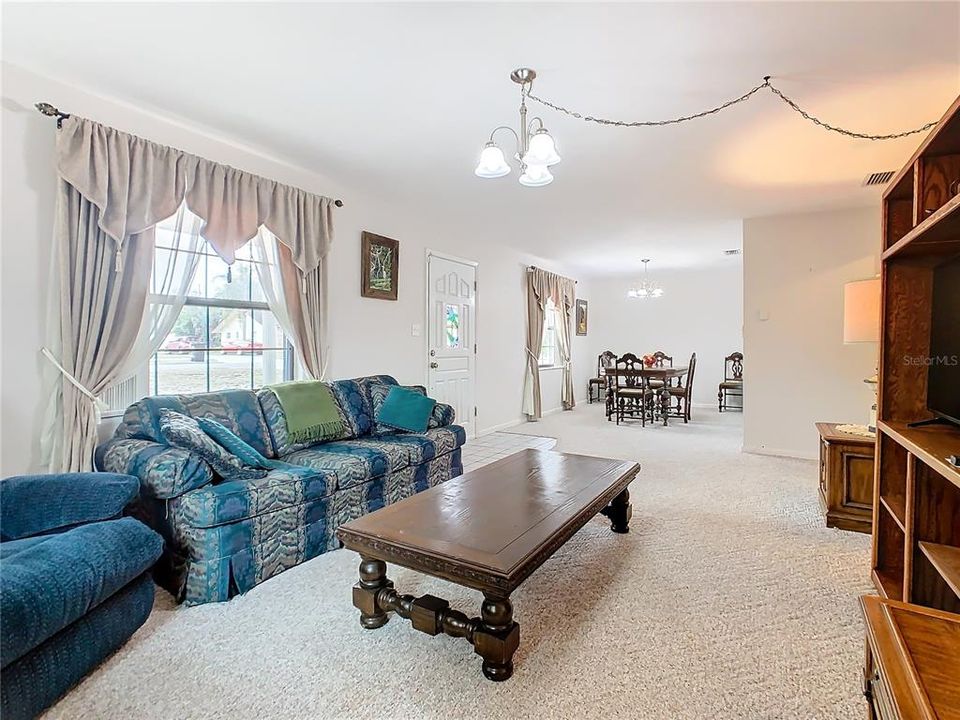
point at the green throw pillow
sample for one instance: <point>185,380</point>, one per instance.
<point>406,409</point>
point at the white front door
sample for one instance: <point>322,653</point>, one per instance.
<point>451,340</point>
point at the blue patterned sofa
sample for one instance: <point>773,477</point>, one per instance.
<point>225,537</point>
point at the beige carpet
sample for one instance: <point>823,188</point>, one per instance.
<point>729,599</point>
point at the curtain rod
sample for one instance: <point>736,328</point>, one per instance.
<point>531,268</point>
<point>51,111</point>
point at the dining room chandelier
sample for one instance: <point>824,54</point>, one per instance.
<point>645,287</point>
<point>536,150</point>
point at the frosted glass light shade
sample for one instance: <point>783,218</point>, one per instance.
<point>542,150</point>
<point>492,163</point>
<point>536,176</point>
<point>861,311</point>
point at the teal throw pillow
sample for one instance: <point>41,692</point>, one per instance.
<point>406,409</point>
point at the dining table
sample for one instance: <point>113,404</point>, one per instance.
<point>665,375</point>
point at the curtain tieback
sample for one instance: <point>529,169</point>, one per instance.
<point>97,402</point>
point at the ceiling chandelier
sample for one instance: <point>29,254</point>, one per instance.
<point>645,288</point>
<point>536,151</point>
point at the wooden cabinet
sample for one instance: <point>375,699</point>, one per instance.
<point>912,661</point>
<point>846,478</point>
<point>916,524</point>
<point>913,629</point>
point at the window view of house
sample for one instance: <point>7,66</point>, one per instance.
<point>226,336</point>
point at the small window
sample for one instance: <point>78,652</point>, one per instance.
<point>548,348</point>
<point>452,326</point>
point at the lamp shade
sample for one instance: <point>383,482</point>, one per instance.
<point>492,163</point>
<point>542,150</point>
<point>536,176</point>
<point>861,311</point>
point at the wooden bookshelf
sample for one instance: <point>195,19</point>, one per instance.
<point>916,521</point>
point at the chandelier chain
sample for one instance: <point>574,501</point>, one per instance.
<point>743,98</point>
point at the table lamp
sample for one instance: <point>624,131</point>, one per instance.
<point>861,323</point>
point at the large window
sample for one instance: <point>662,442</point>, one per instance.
<point>548,348</point>
<point>225,336</point>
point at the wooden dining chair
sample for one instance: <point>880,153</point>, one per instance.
<point>683,393</point>
<point>605,360</point>
<point>660,359</point>
<point>732,385</point>
<point>632,395</point>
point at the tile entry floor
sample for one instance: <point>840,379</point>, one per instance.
<point>485,449</point>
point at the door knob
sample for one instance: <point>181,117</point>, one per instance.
<point>434,365</point>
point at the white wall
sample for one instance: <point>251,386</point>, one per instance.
<point>366,335</point>
<point>797,371</point>
<point>700,311</point>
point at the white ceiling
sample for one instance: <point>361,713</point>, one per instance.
<point>399,98</point>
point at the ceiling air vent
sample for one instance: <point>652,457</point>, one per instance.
<point>734,251</point>
<point>879,178</point>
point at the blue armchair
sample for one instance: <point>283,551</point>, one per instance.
<point>74,581</point>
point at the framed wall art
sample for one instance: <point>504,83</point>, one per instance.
<point>581,317</point>
<point>379,266</point>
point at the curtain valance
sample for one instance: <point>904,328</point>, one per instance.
<point>550,286</point>
<point>137,183</point>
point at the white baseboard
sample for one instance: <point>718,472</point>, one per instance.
<point>523,420</point>
<point>774,452</point>
<point>501,426</point>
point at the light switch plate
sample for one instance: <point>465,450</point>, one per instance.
<point>415,330</point>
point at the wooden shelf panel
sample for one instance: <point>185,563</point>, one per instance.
<point>889,586</point>
<point>896,507</point>
<point>938,234</point>
<point>931,445</point>
<point>946,560</point>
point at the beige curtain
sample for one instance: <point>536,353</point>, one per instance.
<point>137,183</point>
<point>96,321</point>
<point>114,188</point>
<point>543,286</point>
<point>536,308</point>
<point>567,289</point>
<point>298,299</point>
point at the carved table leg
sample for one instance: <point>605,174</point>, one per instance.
<point>373,579</point>
<point>665,402</point>
<point>619,511</point>
<point>496,638</point>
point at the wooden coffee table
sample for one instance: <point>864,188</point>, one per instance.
<point>488,530</point>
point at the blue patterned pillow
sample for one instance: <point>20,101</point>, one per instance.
<point>183,431</point>
<point>442,415</point>
<point>247,454</point>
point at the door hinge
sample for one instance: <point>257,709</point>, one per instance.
<point>474,285</point>
<point>474,348</point>
<point>474,410</point>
